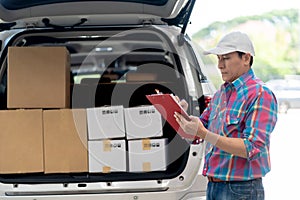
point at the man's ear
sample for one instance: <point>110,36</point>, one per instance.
<point>247,58</point>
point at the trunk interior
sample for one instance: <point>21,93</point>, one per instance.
<point>112,67</point>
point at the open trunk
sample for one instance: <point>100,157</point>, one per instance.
<point>113,67</point>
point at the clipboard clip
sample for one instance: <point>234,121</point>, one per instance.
<point>157,91</point>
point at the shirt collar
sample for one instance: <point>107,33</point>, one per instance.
<point>243,79</point>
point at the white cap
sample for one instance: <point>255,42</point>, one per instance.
<point>234,41</point>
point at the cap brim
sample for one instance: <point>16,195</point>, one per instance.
<point>219,51</point>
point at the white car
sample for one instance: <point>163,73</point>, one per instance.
<point>119,51</point>
<point>287,92</point>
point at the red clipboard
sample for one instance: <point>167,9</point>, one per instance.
<point>167,105</point>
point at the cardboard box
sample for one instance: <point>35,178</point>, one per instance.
<point>38,77</point>
<point>65,141</point>
<point>142,122</point>
<point>147,155</point>
<point>107,156</point>
<point>105,122</point>
<point>21,141</point>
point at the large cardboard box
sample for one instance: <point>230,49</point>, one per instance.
<point>142,122</point>
<point>147,155</point>
<point>105,122</point>
<point>38,77</point>
<point>107,156</point>
<point>65,141</point>
<point>21,141</point>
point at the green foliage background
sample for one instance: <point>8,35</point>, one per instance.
<point>276,38</point>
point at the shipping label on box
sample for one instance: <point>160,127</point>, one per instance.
<point>38,77</point>
<point>142,122</point>
<point>107,156</point>
<point>147,155</point>
<point>65,141</point>
<point>21,141</point>
<point>105,122</point>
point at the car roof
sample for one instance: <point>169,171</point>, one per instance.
<point>109,12</point>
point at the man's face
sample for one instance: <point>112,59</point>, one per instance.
<point>232,66</point>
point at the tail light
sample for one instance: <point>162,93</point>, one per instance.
<point>204,102</point>
<point>207,100</point>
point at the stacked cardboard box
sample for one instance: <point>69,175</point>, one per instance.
<point>107,156</point>
<point>105,122</point>
<point>142,122</point>
<point>38,77</point>
<point>106,145</point>
<point>65,141</point>
<point>147,155</point>
<point>146,147</point>
<point>21,141</point>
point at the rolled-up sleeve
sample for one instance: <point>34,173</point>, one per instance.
<point>260,122</point>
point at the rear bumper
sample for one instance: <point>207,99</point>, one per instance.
<point>189,184</point>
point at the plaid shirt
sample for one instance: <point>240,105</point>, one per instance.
<point>246,109</point>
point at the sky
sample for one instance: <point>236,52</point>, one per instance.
<point>206,12</point>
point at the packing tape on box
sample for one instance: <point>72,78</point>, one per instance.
<point>106,169</point>
<point>146,144</point>
<point>106,145</point>
<point>146,166</point>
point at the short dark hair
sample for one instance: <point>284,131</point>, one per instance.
<point>242,53</point>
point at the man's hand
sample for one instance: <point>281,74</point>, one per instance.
<point>182,103</point>
<point>193,127</point>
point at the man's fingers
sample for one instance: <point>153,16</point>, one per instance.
<point>189,127</point>
<point>183,103</point>
<point>178,117</point>
<point>177,98</point>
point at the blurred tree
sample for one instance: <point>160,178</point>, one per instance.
<point>276,37</point>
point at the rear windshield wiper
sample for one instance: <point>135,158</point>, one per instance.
<point>6,26</point>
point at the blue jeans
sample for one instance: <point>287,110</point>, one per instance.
<point>235,190</point>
